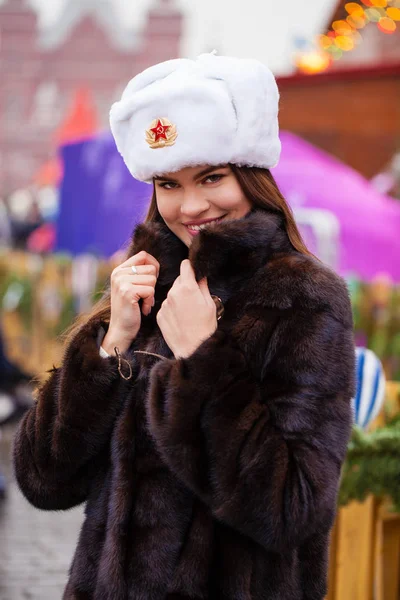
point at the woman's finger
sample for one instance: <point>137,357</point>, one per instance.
<point>186,271</point>
<point>142,280</point>
<point>142,258</point>
<point>141,270</point>
<point>146,293</point>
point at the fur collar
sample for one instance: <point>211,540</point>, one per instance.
<point>228,253</point>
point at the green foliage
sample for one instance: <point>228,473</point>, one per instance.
<point>24,307</point>
<point>376,314</point>
<point>372,465</point>
<point>68,314</point>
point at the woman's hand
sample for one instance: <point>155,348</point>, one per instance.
<point>127,288</point>
<point>188,316</point>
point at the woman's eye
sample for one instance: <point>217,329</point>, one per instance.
<point>213,178</point>
<point>168,185</point>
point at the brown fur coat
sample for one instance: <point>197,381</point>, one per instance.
<point>212,477</point>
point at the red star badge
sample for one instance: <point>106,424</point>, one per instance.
<point>160,131</point>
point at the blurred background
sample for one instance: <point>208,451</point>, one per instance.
<point>68,206</point>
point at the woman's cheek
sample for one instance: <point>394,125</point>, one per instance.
<point>166,207</point>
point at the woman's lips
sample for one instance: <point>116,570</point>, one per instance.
<point>194,232</point>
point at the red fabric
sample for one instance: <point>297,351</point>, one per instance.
<point>81,122</point>
<point>42,239</point>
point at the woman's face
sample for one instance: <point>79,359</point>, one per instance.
<point>195,196</point>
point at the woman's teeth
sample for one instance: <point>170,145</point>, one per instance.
<point>203,225</point>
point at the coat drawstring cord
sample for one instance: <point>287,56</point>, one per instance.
<point>120,359</point>
<point>220,312</point>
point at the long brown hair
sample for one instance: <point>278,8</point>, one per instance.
<point>258,185</point>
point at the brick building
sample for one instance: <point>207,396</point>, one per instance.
<point>42,70</point>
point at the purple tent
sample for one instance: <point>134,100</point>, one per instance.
<point>100,202</point>
<point>369,222</point>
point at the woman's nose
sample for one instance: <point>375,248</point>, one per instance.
<point>193,204</point>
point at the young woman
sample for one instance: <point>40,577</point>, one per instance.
<point>202,411</point>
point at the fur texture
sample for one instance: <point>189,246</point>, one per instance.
<point>212,477</point>
<point>225,110</point>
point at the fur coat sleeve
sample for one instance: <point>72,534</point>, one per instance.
<point>59,444</point>
<point>262,447</point>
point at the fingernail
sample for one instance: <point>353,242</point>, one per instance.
<point>154,301</point>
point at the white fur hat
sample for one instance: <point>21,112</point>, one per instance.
<point>182,113</point>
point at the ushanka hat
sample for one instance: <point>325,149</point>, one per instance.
<point>213,110</point>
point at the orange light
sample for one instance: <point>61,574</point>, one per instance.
<point>313,62</point>
<point>344,42</point>
<point>342,28</point>
<point>393,13</point>
<point>356,21</point>
<point>354,9</point>
<point>325,41</point>
<point>387,25</point>
<point>344,35</point>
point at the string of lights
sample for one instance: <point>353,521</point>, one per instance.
<point>345,34</point>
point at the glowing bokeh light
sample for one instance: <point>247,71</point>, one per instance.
<point>344,42</point>
<point>356,21</point>
<point>387,25</point>
<point>353,8</point>
<point>313,62</point>
<point>335,52</point>
<point>331,49</point>
<point>345,35</point>
<point>342,28</point>
<point>393,13</point>
<point>374,15</point>
<point>325,41</point>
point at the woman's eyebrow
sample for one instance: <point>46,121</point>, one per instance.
<point>209,170</point>
<point>165,179</point>
<point>198,176</point>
